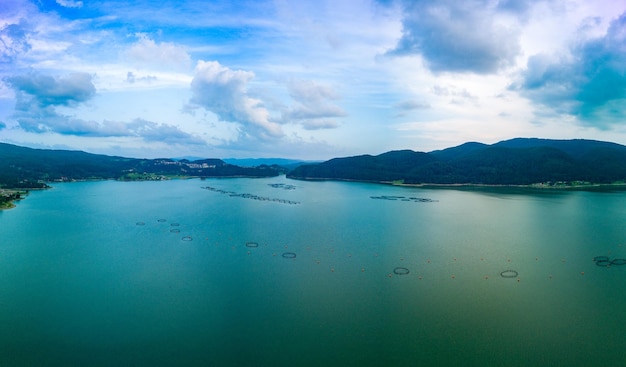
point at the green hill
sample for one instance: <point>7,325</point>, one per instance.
<point>512,162</point>
<point>26,168</point>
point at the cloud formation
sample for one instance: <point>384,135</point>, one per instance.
<point>589,84</point>
<point>70,3</point>
<point>45,90</point>
<point>132,78</point>
<point>164,55</point>
<point>116,73</point>
<point>410,105</point>
<point>39,95</point>
<point>459,36</point>
<point>313,109</point>
<point>13,41</point>
<point>224,92</point>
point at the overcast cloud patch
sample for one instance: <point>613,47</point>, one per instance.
<point>458,36</point>
<point>590,85</point>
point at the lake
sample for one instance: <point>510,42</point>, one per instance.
<point>277,272</point>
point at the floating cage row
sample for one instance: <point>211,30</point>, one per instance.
<point>400,270</point>
<point>282,186</point>
<point>505,274</point>
<point>403,198</point>
<point>174,228</point>
<point>605,261</point>
<point>251,196</point>
<point>602,261</point>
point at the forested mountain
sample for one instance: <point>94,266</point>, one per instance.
<point>511,162</point>
<point>22,167</point>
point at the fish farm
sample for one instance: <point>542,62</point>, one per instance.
<point>251,196</point>
<point>403,198</point>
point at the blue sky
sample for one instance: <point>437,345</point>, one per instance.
<point>308,79</point>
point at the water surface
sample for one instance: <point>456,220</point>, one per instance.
<point>158,273</point>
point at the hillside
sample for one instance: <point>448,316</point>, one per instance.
<point>511,162</point>
<point>26,168</point>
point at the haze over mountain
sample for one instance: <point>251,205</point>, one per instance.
<point>511,162</point>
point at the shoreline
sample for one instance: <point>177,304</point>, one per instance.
<point>23,192</point>
<point>10,196</point>
<point>618,186</point>
<point>538,187</point>
<point>587,186</point>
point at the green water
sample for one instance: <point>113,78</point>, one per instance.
<point>83,284</point>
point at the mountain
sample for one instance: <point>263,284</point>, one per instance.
<point>255,162</point>
<point>22,167</point>
<point>517,161</point>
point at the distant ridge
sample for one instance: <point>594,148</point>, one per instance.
<point>25,168</point>
<point>519,161</point>
<point>255,162</point>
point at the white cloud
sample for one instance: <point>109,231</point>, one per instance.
<point>313,108</point>
<point>70,3</point>
<point>45,90</point>
<point>223,91</point>
<point>13,41</point>
<point>409,105</point>
<point>39,95</point>
<point>164,55</point>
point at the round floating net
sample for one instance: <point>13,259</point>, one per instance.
<point>509,274</point>
<point>141,223</point>
<point>401,271</point>
<point>187,238</point>
<point>603,263</point>
<point>252,244</point>
<point>618,262</point>
<point>175,230</point>
<point>162,220</point>
<point>289,255</point>
<point>601,258</point>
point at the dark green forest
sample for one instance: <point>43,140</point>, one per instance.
<point>511,162</point>
<point>26,168</point>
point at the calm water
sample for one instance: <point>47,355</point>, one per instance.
<point>104,274</point>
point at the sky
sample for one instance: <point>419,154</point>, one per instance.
<point>308,79</point>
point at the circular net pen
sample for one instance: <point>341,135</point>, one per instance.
<point>509,274</point>
<point>401,271</point>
